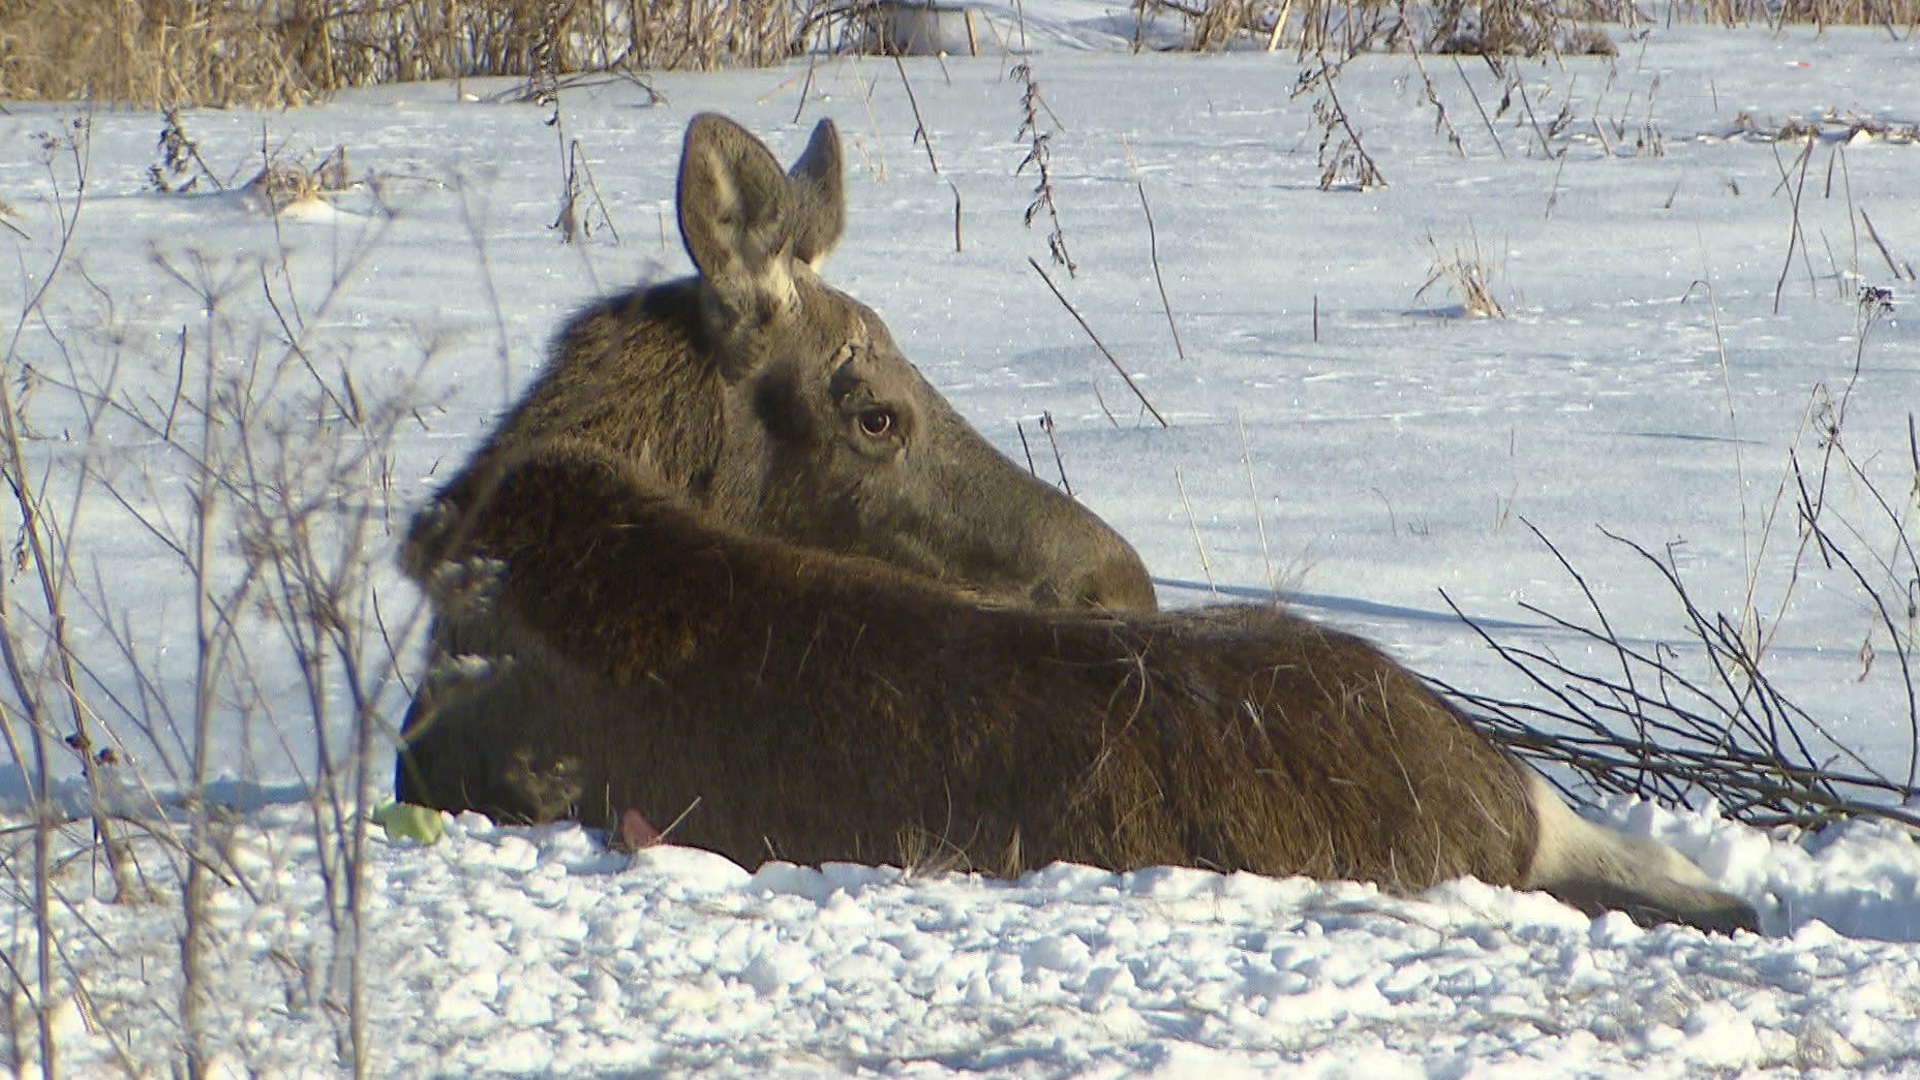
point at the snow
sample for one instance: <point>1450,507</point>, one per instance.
<point>506,952</point>
<point>1643,382</point>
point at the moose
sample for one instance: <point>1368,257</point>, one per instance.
<point>732,563</point>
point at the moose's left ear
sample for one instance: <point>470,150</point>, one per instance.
<point>820,203</point>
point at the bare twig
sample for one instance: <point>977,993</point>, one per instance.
<point>1874,235</point>
<point>1735,736</point>
<point>1206,567</point>
<point>920,133</point>
<point>1794,236</point>
<point>1484,118</point>
<point>1095,338</point>
<point>1025,449</point>
<point>1047,425</point>
<point>1153,251</point>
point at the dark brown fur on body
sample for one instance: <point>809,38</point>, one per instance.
<point>820,707</point>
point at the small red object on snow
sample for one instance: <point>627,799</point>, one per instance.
<point>635,832</point>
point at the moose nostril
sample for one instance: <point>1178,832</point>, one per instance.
<point>1119,582</point>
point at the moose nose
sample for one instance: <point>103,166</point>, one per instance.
<point>1118,582</point>
<point>1112,578</point>
<point>1084,564</point>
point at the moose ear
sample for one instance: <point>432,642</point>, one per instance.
<point>820,210</point>
<point>736,207</point>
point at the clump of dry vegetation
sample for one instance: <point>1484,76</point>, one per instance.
<point>1489,27</point>
<point>272,53</point>
<point>1344,161</point>
<point>281,52</point>
<point>1828,127</point>
<point>1468,271</point>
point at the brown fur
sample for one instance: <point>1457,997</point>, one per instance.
<point>821,707</point>
<point>749,390</point>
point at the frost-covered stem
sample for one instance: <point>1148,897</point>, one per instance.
<point>42,831</point>
<point>193,939</point>
<point>357,844</point>
<point>332,629</point>
<point>37,778</point>
<point>31,704</point>
<point>286,554</point>
<point>119,859</point>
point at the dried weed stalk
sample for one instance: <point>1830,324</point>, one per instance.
<point>576,218</point>
<point>1344,161</point>
<point>1468,272</point>
<point>1040,156</point>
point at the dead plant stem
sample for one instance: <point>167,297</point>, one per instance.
<point>1153,252</point>
<point>1193,524</point>
<point>920,133</point>
<point>1095,338</point>
<point>1794,236</point>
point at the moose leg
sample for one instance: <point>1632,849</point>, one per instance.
<point>1594,868</point>
<point>463,749</point>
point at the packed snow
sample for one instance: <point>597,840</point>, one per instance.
<point>1645,379</point>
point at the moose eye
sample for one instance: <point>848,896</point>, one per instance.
<point>876,422</point>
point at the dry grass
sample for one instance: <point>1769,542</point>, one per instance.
<point>1490,27</point>
<point>1900,16</point>
<point>272,53</point>
<point>150,52</point>
<point>1348,27</point>
<point>281,52</point>
<point>1468,271</point>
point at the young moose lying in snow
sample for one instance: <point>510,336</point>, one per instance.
<point>732,553</point>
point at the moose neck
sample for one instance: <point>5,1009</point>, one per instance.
<point>626,385</point>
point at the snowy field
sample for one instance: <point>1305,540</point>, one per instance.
<point>1652,375</point>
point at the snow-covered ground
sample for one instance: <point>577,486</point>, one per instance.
<point>1643,381</point>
